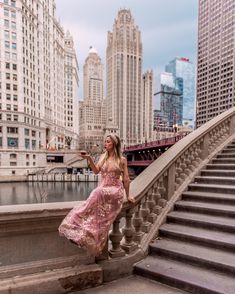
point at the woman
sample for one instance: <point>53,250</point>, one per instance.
<point>88,226</point>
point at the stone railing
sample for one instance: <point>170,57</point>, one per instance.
<point>158,187</point>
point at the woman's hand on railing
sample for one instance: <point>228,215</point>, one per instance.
<point>131,199</point>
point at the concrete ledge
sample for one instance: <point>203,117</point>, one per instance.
<point>54,282</point>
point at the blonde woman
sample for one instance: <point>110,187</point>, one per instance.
<point>88,226</point>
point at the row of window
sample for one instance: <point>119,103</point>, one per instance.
<point>10,2</point>
<point>7,13</point>
<point>9,97</point>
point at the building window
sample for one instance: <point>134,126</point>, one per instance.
<point>6,12</point>
<point>12,142</point>
<point>33,144</point>
<point>13,36</point>
<point>13,46</point>
<point>26,132</point>
<point>13,25</point>
<point>26,144</point>
<point>7,44</point>
<point>15,117</point>
<point>8,117</point>
<point>14,56</point>
<point>6,35</point>
<point>13,163</point>
<point>0,141</point>
<point>13,3</point>
<point>12,130</point>
<point>13,156</point>
<point>6,23</point>
<point>13,14</point>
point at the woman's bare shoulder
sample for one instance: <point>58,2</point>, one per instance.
<point>124,160</point>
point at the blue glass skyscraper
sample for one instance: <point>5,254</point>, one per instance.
<point>183,68</point>
<point>171,99</point>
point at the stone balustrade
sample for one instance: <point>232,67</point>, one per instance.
<point>161,184</point>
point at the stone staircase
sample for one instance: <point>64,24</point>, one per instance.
<point>195,249</point>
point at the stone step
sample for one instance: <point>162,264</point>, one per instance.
<point>208,197</point>
<point>224,189</point>
<point>195,254</point>
<point>223,160</point>
<point>228,150</point>
<point>226,155</point>
<point>218,173</point>
<point>204,207</point>
<point>217,180</point>
<point>220,166</point>
<point>225,224</point>
<point>187,277</point>
<point>229,147</point>
<point>207,237</point>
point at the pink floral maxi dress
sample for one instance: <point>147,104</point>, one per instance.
<point>89,224</point>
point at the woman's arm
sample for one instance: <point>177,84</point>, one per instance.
<point>95,167</point>
<point>126,180</point>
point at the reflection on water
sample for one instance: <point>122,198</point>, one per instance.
<point>41,192</point>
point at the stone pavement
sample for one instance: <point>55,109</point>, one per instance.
<point>132,285</point>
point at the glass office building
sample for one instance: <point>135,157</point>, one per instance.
<point>171,99</point>
<point>183,68</point>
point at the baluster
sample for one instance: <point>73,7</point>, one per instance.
<point>162,190</point>
<point>137,223</point>
<point>116,236</point>
<point>187,163</point>
<point>129,245</point>
<point>151,203</point>
<point>157,208</point>
<point>145,212</point>
<point>178,171</point>
<point>191,159</point>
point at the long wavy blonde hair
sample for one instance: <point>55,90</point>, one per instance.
<point>117,151</point>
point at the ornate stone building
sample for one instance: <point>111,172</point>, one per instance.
<point>124,55</point>
<point>32,98</point>
<point>92,110</point>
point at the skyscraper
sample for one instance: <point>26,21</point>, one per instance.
<point>124,78</point>
<point>216,55</point>
<point>171,99</point>
<point>92,111</point>
<point>181,67</point>
<point>32,85</point>
<point>71,82</point>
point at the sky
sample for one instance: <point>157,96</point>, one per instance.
<point>168,28</point>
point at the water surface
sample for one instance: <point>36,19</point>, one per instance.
<point>44,192</point>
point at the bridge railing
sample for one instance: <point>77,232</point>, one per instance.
<point>158,187</point>
<point>157,143</point>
